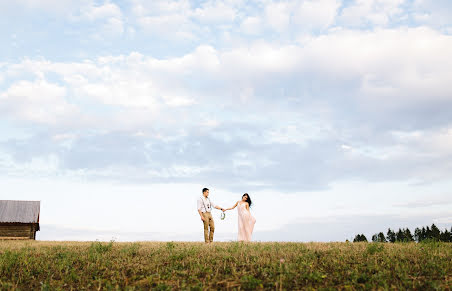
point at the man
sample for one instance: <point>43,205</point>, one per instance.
<point>204,209</point>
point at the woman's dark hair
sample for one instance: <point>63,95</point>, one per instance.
<point>248,199</point>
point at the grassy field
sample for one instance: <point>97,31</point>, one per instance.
<point>38,265</point>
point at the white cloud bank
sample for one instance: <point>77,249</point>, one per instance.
<point>387,68</point>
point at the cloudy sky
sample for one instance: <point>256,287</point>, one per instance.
<point>335,115</point>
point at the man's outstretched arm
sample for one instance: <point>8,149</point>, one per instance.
<point>219,208</point>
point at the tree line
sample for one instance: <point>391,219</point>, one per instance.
<point>404,235</point>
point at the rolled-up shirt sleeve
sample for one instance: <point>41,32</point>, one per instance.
<point>212,205</point>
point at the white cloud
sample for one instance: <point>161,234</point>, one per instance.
<point>260,59</point>
<point>433,13</point>
<point>113,27</point>
<point>374,12</point>
<point>443,220</point>
<point>61,7</point>
<point>277,15</point>
<point>108,17</point>
<point>403,66</point>
<point>428,143</point>
<point>159,7</point>
<point>251,25</point>
<point>346,147</point>
<point>166,19</point>
<point>145,87</point>
<point>38,101</point>
<point>174,26</point>
<point>316,14</point>
<point>215,12</point>
<point>121,91</point>
<point>178,101</point>
<point>105,11</point>
<point>300,16</point>
<point>408,64</point>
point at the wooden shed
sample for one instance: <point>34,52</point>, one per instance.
<point>19,219</point>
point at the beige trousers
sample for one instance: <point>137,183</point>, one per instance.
<point>208,222</point>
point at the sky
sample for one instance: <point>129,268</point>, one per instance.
<point>334,115</point>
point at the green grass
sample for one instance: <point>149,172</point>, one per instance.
<point>38,265</point>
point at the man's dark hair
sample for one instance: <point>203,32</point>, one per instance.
<point>204,190</point>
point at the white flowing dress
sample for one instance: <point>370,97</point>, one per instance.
<point>246,223</point>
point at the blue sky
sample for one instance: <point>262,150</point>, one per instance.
<point>334,115</point>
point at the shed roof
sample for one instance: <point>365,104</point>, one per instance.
<point>19,211</point>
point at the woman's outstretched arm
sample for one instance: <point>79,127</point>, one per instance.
<point>235,205</point>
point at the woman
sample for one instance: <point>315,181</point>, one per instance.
<point>246,220</point>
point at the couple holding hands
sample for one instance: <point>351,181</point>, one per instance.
<point>246,220</point>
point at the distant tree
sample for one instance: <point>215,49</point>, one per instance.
<point>435,233</point>
<point>445,236</point>
<point>390,236</point>
<point>418,234</point>
<point>428,233</point>
<point>424,233</point>
<point>375,238</point>
<point>405,235</point>
<point>408,237</point>
<point>360,238</point>
<point>363,238</point>
<point>400,236</point>
<point>381,237</point>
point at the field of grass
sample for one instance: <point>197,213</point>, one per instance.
<point>41,265</point>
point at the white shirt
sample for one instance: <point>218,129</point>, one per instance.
<point>204,203</point>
